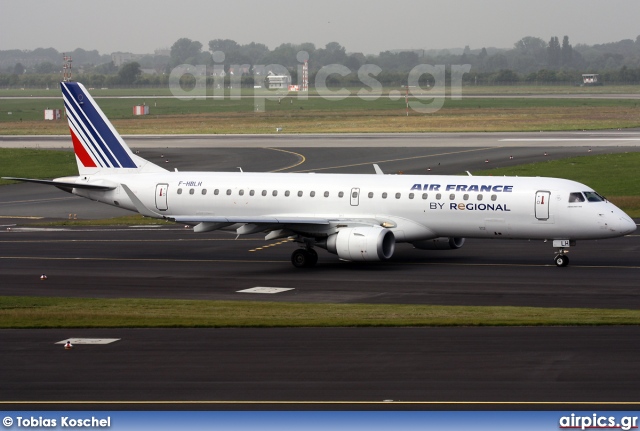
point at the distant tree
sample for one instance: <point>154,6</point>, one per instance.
<point>567,52</point>
<point>224,45</point>
<point>108,68</point>
<point>506,76</point>
<point>554,53</point>
<point>253,52</point>
<point>18,69</point>
<point>129,72</point>
<point>530,45</point>
<point>46,67</point>
<point>185,51</point>
<point>332,53</point>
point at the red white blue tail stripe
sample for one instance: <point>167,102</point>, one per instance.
<point>95,141</point>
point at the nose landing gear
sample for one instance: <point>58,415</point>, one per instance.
<point>561,259</point>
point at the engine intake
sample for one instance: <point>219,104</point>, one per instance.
<point>442,243</point>
<point>362,243</point>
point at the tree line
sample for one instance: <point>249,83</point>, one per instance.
<point>531,60</point>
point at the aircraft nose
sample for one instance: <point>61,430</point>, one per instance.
<point>625,224</point>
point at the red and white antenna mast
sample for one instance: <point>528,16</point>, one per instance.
<point>66,68</point>
<point>305,76</point>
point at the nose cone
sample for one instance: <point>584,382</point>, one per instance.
<point>622,223</point>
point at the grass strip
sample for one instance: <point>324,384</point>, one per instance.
<point>612,175</point>
<point>44,312</point>
<point>353,115</point>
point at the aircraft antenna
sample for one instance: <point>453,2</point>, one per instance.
<point>305,76</point>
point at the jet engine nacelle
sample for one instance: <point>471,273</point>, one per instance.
<point>442,243</point>
<point>362,243</point>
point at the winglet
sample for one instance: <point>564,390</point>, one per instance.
<point>140,207</point>
<point>377,169</point>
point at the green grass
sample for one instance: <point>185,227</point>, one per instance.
<point>29,163</point>
<point>42,312</point>
<point>609,174</point>
<point>130,220</point>
<point>466,89</point>
<point>612,175</point>
<point>32,109</point>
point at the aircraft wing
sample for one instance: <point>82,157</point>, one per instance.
<point>277,225</point>
<point>251,219</point>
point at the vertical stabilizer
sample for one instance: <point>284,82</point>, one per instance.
<point>98,146</point>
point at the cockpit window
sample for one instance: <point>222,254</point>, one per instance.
<point>594,197</point>
<point>576,197</point>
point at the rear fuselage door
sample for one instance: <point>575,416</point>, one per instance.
<point>161,196</point>
<point>542,205</point>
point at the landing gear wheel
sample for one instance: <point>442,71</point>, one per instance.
<point>313,255</point>
<point>302,258</point>
<point>561,260</point>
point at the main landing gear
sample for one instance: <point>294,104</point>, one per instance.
<point>304,258</point>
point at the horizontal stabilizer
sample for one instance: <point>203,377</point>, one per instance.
<point>63,184</point>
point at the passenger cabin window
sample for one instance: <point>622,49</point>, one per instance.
<point>252,192</point>
<point>494,197</point>
<point>264,193</point>
<point>191,191</point>
<point>398,195</point>
<point>287,193</point>
<point>370,195</point>
<point>241,192</point>
<point>438,196</point>
<point>341,194</point>
<point>216,191</point>
<point>479,197</point>
<point>425,195</point>
<point>326,194</point>
<point>275,193</point>
<point>179,191</point>
<point>228,192</point>
<point>384,195</point>
<point>594,197</point>
<point>411,195</point>
<point>312,194</point>
<point>204,191</point>
<point>452,197</point>
<point>300,194</point>
<point>576,197</point>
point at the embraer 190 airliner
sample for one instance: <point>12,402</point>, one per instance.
<point>357,217</point>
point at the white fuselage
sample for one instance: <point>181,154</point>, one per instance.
<point>415,207</point>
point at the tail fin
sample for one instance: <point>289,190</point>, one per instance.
<point>98,146</point>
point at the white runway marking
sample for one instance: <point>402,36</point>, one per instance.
<point>265,290</point>
<point>567,139</point>
<point>89,340</point>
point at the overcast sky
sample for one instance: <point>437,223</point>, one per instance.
<point>371,26</point>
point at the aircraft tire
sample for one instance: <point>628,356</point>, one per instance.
<point>561,260</point>
<point>302,258</point>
